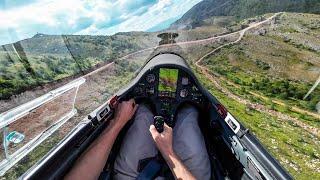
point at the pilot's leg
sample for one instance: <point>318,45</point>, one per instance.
<point>137,145</point>
<point>189,144</point>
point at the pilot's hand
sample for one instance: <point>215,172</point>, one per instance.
<point>163,140</point>
<point>124,112</point>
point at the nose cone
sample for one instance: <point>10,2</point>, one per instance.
<point>167,38</point>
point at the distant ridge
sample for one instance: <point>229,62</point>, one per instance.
<point>241,9</point>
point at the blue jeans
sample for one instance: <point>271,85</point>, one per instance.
<point>188,144</point>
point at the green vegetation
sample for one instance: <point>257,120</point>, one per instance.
<point>168,79</point>
<point>240,9</point>
<point>286,109</point>
<point>124,72</point>
<point>271,86</point>
<point>296,149</point>
<point>280,65</point>
<point>271,66</point>
<point>43,59</point>
<point>47,58</point>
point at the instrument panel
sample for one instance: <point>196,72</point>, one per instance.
<point>168,88</point>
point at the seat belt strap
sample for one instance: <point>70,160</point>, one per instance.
<point>150,170</point>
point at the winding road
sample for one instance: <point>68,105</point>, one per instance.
<point>215,80</point>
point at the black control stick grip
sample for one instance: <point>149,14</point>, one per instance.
<point>158,123</point>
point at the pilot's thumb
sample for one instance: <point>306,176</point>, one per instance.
<point>153,131</point>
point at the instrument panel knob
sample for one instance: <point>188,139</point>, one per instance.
<point>184,93</point>
<point>150,78</point>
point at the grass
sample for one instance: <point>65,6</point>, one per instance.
<point>297,150</point>
<point>244,93</point>
<point>256,57</point>
<point>278,74</point>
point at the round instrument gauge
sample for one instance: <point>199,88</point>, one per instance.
<point>183,93</point>
<point>150,78</point>
<point>185,81</point>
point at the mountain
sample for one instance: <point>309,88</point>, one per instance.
<point>241,9</point>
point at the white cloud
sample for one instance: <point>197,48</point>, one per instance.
<point>86,16</point>
<point>163,10</point>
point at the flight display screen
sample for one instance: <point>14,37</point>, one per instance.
<point>168,79</point>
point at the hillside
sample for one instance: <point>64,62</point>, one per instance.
<point>38,61</point>
<point>262,79</point>
<point>46,58</point>
<point>241,9</point>
<point>280,61</point>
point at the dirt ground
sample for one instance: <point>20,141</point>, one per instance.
<point>41,118</point>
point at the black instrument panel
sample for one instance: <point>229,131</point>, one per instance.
<point>167,88</point>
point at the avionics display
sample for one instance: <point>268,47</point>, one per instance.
<point>168,79</point>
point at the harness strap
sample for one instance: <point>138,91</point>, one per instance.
<point>150,170</point>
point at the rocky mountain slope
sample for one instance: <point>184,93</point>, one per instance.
<point>241,9</point>
<point>280,60</point>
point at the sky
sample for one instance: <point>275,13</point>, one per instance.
<point>20,19</point>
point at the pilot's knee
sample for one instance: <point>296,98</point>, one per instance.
<point>143,109</point>
<point>143,114</point>
<point>188,113</point>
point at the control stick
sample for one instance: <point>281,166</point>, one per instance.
<point>158,123</point>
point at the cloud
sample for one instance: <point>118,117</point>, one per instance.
<point>162,11</point>
<point>163,25</point>
<point>21,19</point>
<point>8,4</point>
